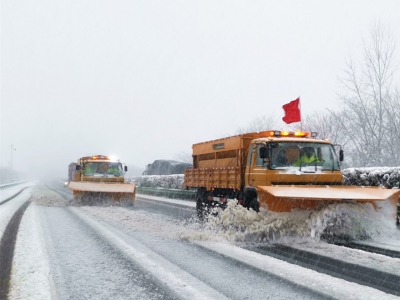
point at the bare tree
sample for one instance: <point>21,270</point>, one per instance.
<point>392,130</point>
<point>259,124</point>
<point>368,101</point>
<point>328,124</point>
<point>184,157</point>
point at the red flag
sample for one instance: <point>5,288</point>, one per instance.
<point>292,112</point>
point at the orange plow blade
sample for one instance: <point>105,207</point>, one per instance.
<point>286,198</point>
<point>115,190</point>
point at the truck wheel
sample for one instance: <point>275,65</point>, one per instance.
<point>200,207</point>
<point>250,201</point>
<point>254,204</point>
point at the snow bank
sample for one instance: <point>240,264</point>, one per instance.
<point>163,181</point>
<point>348,220</point>
<point>385,176</point>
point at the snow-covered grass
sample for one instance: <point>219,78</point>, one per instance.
<point>385,176</point>
<point>163,181</point>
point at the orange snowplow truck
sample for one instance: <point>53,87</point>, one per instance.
<point>280,170</point>
<point>101,174</point>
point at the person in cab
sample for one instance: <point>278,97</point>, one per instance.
<point>88,169</point>
<point>307,157</point>
<point>113,170</point>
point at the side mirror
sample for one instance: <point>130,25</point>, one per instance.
<point>77,167</point>
<point>341,155</point>
<point>126,168</point>
<point>263,152</point>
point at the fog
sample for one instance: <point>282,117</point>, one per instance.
<point>144,80</point>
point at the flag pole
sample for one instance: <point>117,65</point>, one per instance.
<point>301,118</point>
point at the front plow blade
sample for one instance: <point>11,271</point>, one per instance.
<point>286,198</point>
<point>115,190</point>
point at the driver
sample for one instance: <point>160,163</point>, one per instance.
<point>88,170</point>
<point>307,157</point>
<point>113,170</point>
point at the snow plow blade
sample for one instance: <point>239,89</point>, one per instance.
<point>115,190</point>
<point>286,198</point>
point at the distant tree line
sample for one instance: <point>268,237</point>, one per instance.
<point>367,124</point>
<point>5,175</point>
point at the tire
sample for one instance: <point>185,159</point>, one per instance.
<point>254,204</point>
<point>200,206</point>
<point>250,201</point>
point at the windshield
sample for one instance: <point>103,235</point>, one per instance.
<point>302,155</point>
<point>102,169</point>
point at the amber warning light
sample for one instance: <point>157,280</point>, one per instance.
<point>101,157</point>
<point>273,133</point>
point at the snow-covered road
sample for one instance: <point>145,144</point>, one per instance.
<point>113,252</point>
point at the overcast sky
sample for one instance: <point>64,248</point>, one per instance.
<point>144,80</point>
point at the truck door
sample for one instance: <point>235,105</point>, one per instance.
<point>257,168</point>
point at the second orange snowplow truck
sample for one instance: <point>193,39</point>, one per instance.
<point>101,175</point>
<point>277,169</point>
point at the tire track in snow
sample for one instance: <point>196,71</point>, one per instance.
<point>178,282</point>
<point>8,199</point>
<point>7,245</point>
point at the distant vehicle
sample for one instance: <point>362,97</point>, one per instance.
<point>166,167</point>
<point>100,174</point>
<point>71,173</point>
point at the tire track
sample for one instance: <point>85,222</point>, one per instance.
<point>382,281</point>
<point>8,199</point>
<point>7,245</point>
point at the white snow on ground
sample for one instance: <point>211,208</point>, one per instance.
<point>389,245</point>
<point>328,285</point>
<point>236,225</point>
<point>355,220</point>
<point>11,191</point>
<point>148,222</point>
<point>167,200</point>
<point>8,209</point>
<point>30,277</point>
<point>354,256</point>
<point>30,274</point>
<point>184,285</point>
<point>167,228</point>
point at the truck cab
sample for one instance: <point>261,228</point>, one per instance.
<point>292,160</point>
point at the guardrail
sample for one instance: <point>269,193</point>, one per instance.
<point>8,185</point>
<point>169,193</point>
